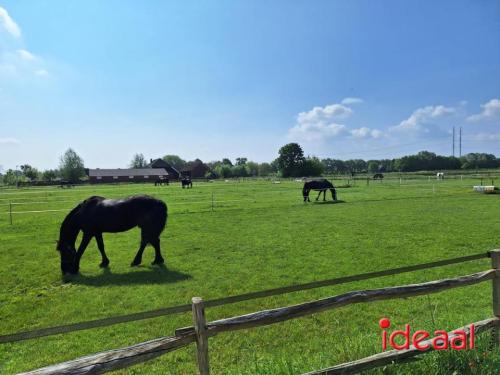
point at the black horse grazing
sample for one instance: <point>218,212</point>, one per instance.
<point>186,182</point>
<point>162,181</point>
<point>378,176</point>
<point>318,185</point>
<point>96,215</point>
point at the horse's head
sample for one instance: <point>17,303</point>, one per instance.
<point>68,257</point>
<point>305,192</point>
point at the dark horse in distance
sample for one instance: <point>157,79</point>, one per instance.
<point>186,182</point>
<point>97,215</point>
<point>318,185</point>
<point>162,181</point>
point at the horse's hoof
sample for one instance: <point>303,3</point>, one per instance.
<point>158,261</point>
<point>104,264</point>
<point>135,263</point>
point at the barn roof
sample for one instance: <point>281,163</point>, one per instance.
<point>127,172</point>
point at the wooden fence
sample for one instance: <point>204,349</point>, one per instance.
<point>201,330</point>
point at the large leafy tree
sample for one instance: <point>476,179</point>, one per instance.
<point>175,161</point>
<point>226,161</point>
<point>241,161</point>
<point>10,177</point>
<point>50,174</point>
<point>71,166</point>
<point>138,161</point>
<point>290,160</point>
<point>29,171</point>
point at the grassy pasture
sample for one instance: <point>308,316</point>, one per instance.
<point>259,235</point>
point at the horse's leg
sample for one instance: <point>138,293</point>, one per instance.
<point>158,258</point>
<point>81,249</point>
<point>319,195</point>
<point>100,245</point>
<point>324,195</point>
<point>138,257</point>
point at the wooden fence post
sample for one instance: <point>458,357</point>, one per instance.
<point>495,263</point>
<point>200,327</point>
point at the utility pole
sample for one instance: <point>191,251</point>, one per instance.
<point>453,142</point>
<point>460,143</point>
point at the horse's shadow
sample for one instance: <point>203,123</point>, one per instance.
<point>329,202</point>
<point>154,275</point>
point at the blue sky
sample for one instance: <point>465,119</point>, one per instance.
<point>213,79</point>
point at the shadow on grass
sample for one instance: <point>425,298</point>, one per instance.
<point>329,202</point>
<point>154,275</point>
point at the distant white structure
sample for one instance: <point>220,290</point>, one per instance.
<point>440,176</point>
<point>485,189</point>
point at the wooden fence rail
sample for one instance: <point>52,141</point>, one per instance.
<point>281,314</point>
<point>231,299</point>
<point>199,333</point>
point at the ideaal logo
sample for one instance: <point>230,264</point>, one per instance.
<point>420,339</point>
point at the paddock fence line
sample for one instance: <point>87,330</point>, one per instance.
<point>104,322</point>
<point>201,331</point>
<point>208,204</point>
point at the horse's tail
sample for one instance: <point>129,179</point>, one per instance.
<point>161,220</point>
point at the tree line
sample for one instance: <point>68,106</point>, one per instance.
<point>291,162</point>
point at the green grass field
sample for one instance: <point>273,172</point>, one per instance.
<point>259,235</point>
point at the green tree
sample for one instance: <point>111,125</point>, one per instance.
<point>241,161</point>
<point>29,172</point>
<point>291,160</point>
<point>252,168</point>
<point>223,170</point>
<point>71,166</point>
<point>10,177</point>
<point>239,170</point>
<point>227,162</point>
<point>50,175</point>
<point>373,166</point>
<point>312,167</point>
<point>138,161</point>
<point>265,169</point>
<point>175,161</point>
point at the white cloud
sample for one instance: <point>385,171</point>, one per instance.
<point>420,119</point>
<point>350,100</point>
<point>365,132</point>
<point>490,111</point>
<point>316,131</point>
<point>9,141</point>
<point>26,55</point>
<point>320,123</point>
<point>324,113</point>
<point>9,24</point>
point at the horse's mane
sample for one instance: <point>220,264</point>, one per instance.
<point>69,229</point>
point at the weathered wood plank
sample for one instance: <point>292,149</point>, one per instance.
<point>495,264</point>
<point>118,358</point>
<point>267,317</point>
<point>391,356</point>
<point>200,322</point>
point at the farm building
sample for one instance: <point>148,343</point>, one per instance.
<point>173,174</point>
<point>126,175</point>
<point>195,169</point>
